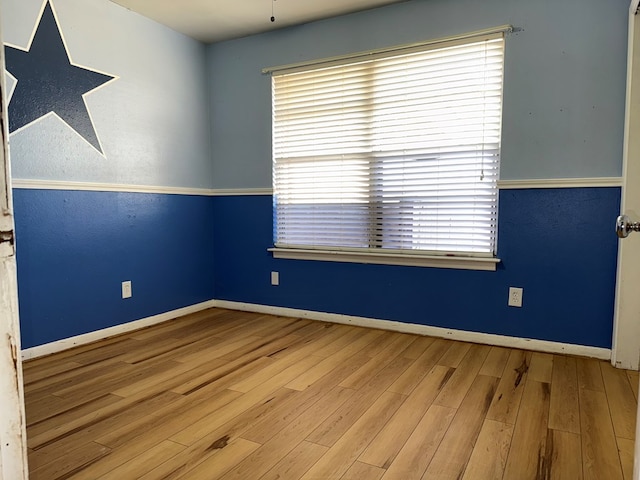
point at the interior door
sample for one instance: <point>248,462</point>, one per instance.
<point>626,327</point>
<point>13,459</point>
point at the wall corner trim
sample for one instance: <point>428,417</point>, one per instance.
<point>67,343</point>
<point>459,335</point>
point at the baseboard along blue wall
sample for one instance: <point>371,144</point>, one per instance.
<point>557,244</point>
<point>74,248</point>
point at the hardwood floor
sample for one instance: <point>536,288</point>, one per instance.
<point>232,395</point>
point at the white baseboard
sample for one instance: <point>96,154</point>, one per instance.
<point>460,335</point>
<point>66,343</point>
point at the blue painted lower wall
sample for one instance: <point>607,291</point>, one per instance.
<point>558,244</point>
<point>74,249</point>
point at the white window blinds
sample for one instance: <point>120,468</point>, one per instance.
<point>399,151</point>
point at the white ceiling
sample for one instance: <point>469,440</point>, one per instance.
<point>215,20</point>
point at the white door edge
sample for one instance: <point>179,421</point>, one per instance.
<point>13,437</point>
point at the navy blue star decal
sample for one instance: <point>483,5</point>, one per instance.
<point>47,82</point>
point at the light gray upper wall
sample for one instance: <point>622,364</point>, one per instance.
<point>153,121</point>
<point>564,81</point>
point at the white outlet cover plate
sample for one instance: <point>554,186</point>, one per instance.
<point>515,297</point>
<point>275,278</point>
<point>126,289</point>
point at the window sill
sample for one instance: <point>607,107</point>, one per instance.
<point>464,263</point>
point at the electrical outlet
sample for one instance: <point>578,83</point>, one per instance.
<point>515,297</point>
<point>275,278</point>
<point>126,289</point>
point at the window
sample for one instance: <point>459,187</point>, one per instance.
<point>394,153</point>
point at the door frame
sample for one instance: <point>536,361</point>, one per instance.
<point>13,437</point>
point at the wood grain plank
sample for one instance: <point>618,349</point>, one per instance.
<point>238,425</point>
<point>345,335</point>
<point>213,376</point>
<point>626,452</point>
<point>360,377</point>
<point>282,443</point>
<point>296,463</point>
<point>264,429</point>
<point>219,350</point>
<point>314,374</point>
<point>69,410</point>
<point>71,462</point>
<point>65,429</point>
<point>489,456</point>
<point>128,449</point>
<point>622,403</point>
<point>211,320</point>
<point>495,363</point>
<point>458,385</point>
<point>506,402</point>
<point>633,381</point>
<point>563,456</point>
<point>269,346</point>
<point>589,374</point>
<point>134,445</point>
<point>75,352</point>
<point>384,448</point>
<point>541,367</point>
<point>454,355</point>
<point>383,342</point>
<point>527,454</point>
<point>104,350</point>
<point>138,466</point>
<point>265,374</point>
<point>217,465</point>
<point>348,448</point>
<point>418,347</point>
<point>220,458</point>
<point>450,460</point>
<point>192,433</point>
<point>600,457</point>
<point>86,373</point>
<point>166,421</point>
<point>313,341</point>
<point>360,471</point>
<point>107,351</point>
<point>35,374</point>
<point>57,449</point>
<point>335,426</point>
<point>177,347</point>
<point>208,450</point>
<point>269,326</point>
<point>564,413</point>
<point>314,328</point>
<point>416,372</point>
<point>418,451</point>
<point>110,382</point>
<point>152,349</point>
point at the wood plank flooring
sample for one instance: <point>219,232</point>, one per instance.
<point>232,395</point>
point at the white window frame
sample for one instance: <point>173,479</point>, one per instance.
<point>459,260</point>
